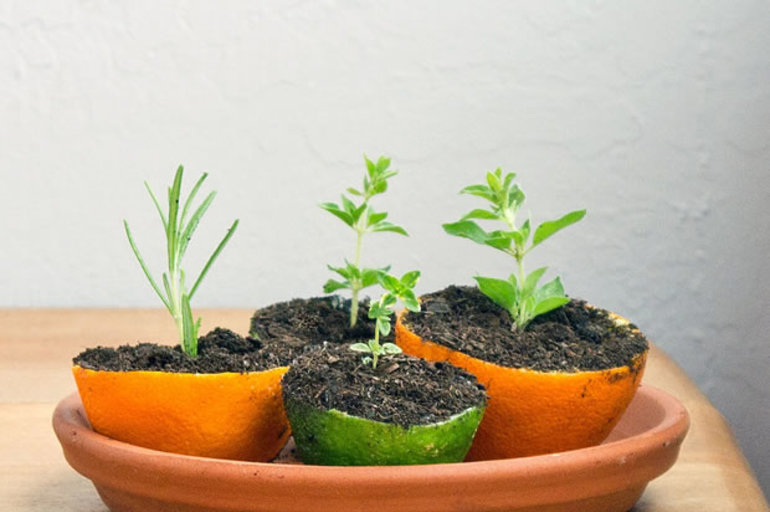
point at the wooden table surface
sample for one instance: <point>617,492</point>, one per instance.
<point>36,347</point>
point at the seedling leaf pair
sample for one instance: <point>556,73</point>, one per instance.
<point>381,311</point>
<point>350,274</point>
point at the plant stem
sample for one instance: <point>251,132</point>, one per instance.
<point>356,284</point>
<point>375,353</point>
<point>522,277</point>
<point>176,306</point>
<point>510,218</point>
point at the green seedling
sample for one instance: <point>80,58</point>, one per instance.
<point>179,230</point>
<point>380,311</point>
<point>520,294</point>
<point>363,219</point>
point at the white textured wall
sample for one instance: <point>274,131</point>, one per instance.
<point>653,115</point>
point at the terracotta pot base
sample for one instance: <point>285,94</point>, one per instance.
<point>605,478</point>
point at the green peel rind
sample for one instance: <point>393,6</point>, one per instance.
<point>335,438</point>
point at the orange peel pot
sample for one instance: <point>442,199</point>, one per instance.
<point>532,412</point>
<point>222,415</point>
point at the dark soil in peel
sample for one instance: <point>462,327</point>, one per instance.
<point>300,325</point>
<point>219,351</point>
<point>575,337</point>
<point>402,390</point>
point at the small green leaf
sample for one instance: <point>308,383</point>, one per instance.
<point>388,301</point>
<point>348,205</point>
<point>480,191</point>
<point>337,212</point>
<point>172,229</point>
<point>493,180</point>
<point>370,276</point>
<point>389,174</point>
<point>342,271</point>
<point>391,348</point>
<point>332,286</point>
<point>500,291</point>
<point>551,227</point>
<point>191,197</point>
<point>382,164</point>
<point>480,214</point>
<point>358,212</point>
<point>376,310</point>
<point>508,180</point>
<point>531,281</point>
<point>549,290</point>
<point>410,301</point>
<point>214,256</point>
<point>355,192</point>
<point>410,278</point>
<point>387,226</point>
<point>389,282</point>
<point>353,271</point>
<point>546,305</point>
<point>384,325</point>
<point>515,198</point>
<point>380,187</point>
<point>157,205</point>
<point>500,239</point>
<point>373,218</point>
<point>360,347</point>
<point>525,230</point>
<point>371,168</point>
<point>167,287</point>
<point>189,230</point>
<point>518,239</point>
<point>145,269</point>
<point>467,229</point>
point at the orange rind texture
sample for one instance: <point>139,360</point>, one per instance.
<point>236,416</point>
<point>532,412</point>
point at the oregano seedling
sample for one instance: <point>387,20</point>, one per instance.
<point>362,219</point>
<point>380,311</point>
<point>520,294</point>
<point>179,230</point>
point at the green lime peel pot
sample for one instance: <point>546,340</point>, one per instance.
<point>335,438</point>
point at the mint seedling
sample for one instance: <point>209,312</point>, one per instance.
<point>380,311</point>
<point>363,219</point>
<point>179,230</point>
<point>519,294</point>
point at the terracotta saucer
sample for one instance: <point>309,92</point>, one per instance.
<point>610,477</point>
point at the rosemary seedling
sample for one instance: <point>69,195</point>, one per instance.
<point>363,219</point>
<point>179,230</point>
<point>380,311</point>
<point>519,294</point>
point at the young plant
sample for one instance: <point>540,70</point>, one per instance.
<point>520,294</point>
<point>363,219</point>
<point>395,289</point>
<point>179,230</point>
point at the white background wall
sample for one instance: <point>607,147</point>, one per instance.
<point>655,116</point>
